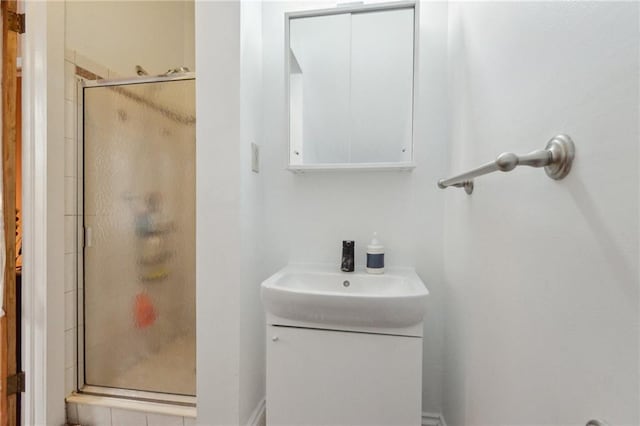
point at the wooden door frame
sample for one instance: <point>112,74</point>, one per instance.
<point>43,213</point>
<point>9,341</point>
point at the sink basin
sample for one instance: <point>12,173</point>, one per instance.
<point>322,295</point>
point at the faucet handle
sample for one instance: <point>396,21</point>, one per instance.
<point>348,260</point>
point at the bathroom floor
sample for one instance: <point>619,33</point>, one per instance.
<point>152,373</point>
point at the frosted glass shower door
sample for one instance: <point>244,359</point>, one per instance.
<point>139,253</point>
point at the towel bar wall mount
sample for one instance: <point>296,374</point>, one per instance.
<point>556,159</point>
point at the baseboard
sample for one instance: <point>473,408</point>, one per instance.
<point>259,415</point>
<point>433,419</point>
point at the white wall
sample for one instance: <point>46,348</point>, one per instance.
<point>255,269</point>
<point>309,215</point>
<point>217,210</point>
<point>158,35</point>
<point>229,213</point>
<point>543,275</point>
<point>43,300</point>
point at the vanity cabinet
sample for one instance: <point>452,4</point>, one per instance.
<point>332,377</point>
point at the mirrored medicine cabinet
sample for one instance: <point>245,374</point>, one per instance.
<point>350,80</point>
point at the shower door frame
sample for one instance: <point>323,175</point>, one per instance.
<point>186,402</point>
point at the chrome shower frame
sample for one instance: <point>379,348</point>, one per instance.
<point>159,402</point>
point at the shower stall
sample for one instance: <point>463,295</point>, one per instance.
<point>136,224</point>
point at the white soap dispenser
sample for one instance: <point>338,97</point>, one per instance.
<point>375,256</point>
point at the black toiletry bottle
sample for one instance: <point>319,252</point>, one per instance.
<point>348,262</point>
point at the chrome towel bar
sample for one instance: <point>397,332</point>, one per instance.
<point>556,158</point>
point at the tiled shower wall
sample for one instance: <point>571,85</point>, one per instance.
<point>85,414</point>
<point>73,288</point>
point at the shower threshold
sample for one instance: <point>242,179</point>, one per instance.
<point>126,399</point>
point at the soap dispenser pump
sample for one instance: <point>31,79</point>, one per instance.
<point>375,256</point>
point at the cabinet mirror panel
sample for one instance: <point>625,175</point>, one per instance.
<point>350,78</point>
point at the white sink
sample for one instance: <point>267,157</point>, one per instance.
<point>323,295</point>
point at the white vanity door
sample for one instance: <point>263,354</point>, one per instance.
<point>319,377</point>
